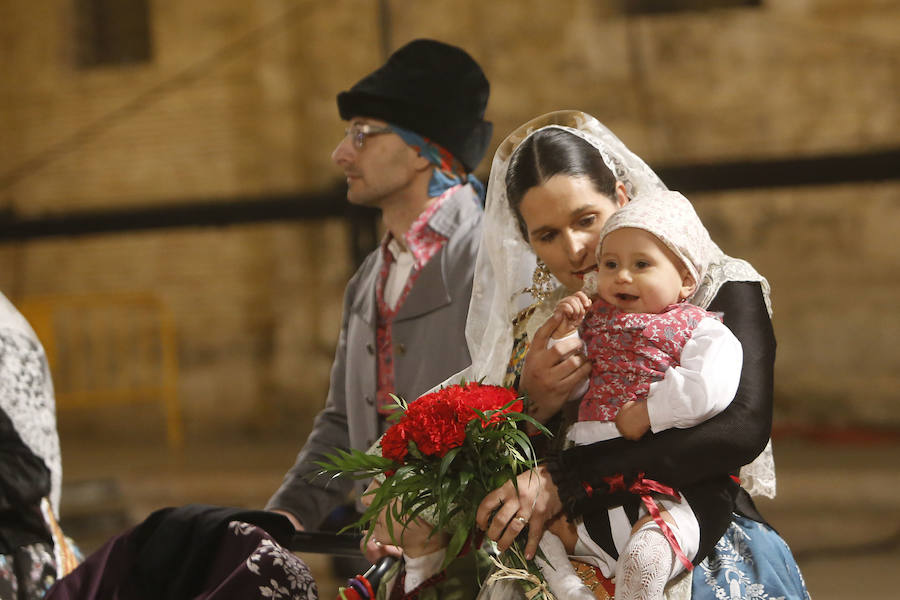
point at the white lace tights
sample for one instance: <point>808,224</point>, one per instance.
<point>645,565</point>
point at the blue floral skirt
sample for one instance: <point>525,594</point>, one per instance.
<point>750,562</point>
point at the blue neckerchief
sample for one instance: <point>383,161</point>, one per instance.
<point>448,171</point>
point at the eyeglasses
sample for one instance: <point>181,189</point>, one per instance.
<point>358,132</point>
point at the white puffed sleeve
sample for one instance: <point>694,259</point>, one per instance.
<point>705,382</point>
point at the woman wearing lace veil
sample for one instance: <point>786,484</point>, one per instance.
<point>33,551</point>
<point>505,326</point>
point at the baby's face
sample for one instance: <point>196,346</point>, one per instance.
<point>638,274</point>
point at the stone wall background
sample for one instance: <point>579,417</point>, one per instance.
<point>238,101</point>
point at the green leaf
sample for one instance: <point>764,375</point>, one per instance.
<point>448,458</point>
<point>537,424</point>
<point>464,478</point>
<point>460,535</point>
<point>399,402</point>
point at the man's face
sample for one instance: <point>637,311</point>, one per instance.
<point>379,170</point>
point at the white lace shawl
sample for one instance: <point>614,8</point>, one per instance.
<point>26,392</point>
<point>505,264</point>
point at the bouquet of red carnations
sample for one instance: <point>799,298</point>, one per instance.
<point>444,454</point>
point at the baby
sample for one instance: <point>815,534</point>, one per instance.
<point>657,362</point>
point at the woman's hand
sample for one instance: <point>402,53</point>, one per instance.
<point>415,538</point>
<point>373,547</point>
<point>505,512</point>
<point>549,375</point>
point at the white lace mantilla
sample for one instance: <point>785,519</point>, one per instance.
<point>26,393</point>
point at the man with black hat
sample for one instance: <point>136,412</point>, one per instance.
<point>416,132</point>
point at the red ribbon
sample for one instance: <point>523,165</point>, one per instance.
<point>587,489</point>
<point>643,487</point>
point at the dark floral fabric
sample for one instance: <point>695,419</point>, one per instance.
<point>195,552</point>
<point>27,573</point>
<point>269,570</point>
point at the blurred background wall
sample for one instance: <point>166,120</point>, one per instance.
<point>181,151</point>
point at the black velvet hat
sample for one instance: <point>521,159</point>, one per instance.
<point>433,89</point>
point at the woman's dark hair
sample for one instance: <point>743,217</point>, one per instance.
<point>550,152</point>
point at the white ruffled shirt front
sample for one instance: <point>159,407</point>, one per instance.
<point>398,272</point>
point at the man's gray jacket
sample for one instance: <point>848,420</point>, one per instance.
<point>429,344</point>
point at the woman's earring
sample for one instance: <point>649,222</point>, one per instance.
<point>540,282</point>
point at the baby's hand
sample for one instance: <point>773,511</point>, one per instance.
<point>572,310</point>
<point>633,420</point>
<point>592,280</point>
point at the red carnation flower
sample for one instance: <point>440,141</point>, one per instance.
<point>491,397</point>
<point>436,422</point>
<point>395,443</point>
<point>436,425</point>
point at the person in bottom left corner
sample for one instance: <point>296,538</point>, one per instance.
<point>33,551</point>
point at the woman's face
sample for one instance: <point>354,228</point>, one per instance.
<point>563,218</point>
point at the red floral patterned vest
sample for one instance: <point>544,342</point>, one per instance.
<point>629,351</point>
